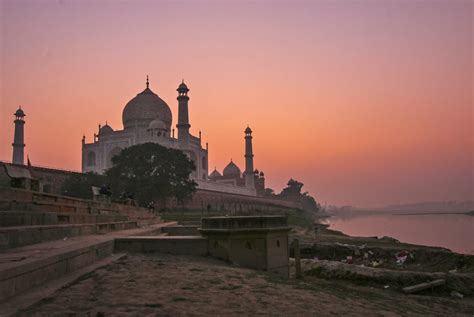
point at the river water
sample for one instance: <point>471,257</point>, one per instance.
<point>452,231</point>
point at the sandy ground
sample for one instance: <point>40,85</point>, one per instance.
<point>165,285</point>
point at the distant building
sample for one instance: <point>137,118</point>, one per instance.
<point>148,118</point>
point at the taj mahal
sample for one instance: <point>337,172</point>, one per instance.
<point>148,118</point>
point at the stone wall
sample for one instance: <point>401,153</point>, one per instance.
<point>218,201</point>
<point>50,180</point>
<point>209,199</point>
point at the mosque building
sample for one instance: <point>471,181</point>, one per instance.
<point>148,118</point>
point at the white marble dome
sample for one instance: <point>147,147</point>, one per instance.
<point>158,125</point>
<point>145,108</point>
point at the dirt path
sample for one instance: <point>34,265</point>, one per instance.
<point>165,285</point>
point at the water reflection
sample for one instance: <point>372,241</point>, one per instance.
<point>452,231</point>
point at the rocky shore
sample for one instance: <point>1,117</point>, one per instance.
<point>384,262</point>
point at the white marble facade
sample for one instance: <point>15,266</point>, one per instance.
<point>147,118</point>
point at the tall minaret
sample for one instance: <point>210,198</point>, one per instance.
<point>249,175</point>
<point>19,139</point>
<point>183,115</point>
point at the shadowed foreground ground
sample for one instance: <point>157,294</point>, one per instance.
<point>157,285</point>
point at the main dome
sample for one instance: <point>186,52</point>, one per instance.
<point>145,108</point>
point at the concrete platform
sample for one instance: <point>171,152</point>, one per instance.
<point>178,245</point>
<point>24,268</point>
<point>14,237</point>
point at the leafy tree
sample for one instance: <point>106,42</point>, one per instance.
<point>152,172</point>
<point>80,185</point>
<point>309,203</point>
<point>269,192</point>
<point>292,191</point>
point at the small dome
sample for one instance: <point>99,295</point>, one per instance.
<point>231,170</point>
<point>106,129</point>
<point>19,113</point>
<point>144,108</point>
<point>215,174</point>
<point>157,125</point>
<point>262,174</point>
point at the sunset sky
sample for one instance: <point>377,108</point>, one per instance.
<point>365,102</point>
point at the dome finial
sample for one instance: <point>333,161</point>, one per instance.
<point>147,83</point>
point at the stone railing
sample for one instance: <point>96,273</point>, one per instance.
<point>225,188</point>
<point>244,222</point>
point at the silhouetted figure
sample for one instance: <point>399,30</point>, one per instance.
<point>105,190</point>
<point>151,206</point>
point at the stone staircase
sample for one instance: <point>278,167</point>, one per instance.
<point>45,237</point>
<point>28,217</point>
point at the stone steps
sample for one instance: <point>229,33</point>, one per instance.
<point>14,237</point>
<point>12,199</point>
<point>24,268</point>
<point>36,218</point>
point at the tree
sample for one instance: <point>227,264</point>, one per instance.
<point>268,192</point>
<point>292,191</point>
<point>309,203</point>
<point>152,172</point>
<point>80,185</point>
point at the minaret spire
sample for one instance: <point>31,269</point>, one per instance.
<point>147,82</point>
<point>249,174</point>
<point>19,138</point>
<point>183,114</point>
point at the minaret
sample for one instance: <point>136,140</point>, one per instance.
<point>249,174</point>
<point>19,138</point>
<point>183,115</point>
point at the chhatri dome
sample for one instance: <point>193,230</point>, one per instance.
<point>106,129</point>
<point>215,174</point>
<point>231,170</point>
<point>145,108</point>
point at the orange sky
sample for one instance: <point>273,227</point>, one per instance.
<point>366,102</point>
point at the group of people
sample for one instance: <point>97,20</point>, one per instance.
<point>126,196</point>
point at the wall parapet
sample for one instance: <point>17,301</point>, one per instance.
<point>225,188</point>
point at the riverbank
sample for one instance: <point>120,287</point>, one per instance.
<point>386,252</point>
<point>384,263</point>
<point>165,285</point>
<point>338,279</point>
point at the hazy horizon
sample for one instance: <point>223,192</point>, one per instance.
<point>367,103</point>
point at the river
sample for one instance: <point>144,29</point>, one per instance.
<point>452,231</point>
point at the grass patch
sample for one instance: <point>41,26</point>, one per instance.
<point>179,299</point>
<point>214,281</point>
<point>196,270</point>
<point>154,305</point>
<point>230,287</point>
<point>237,277</point>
